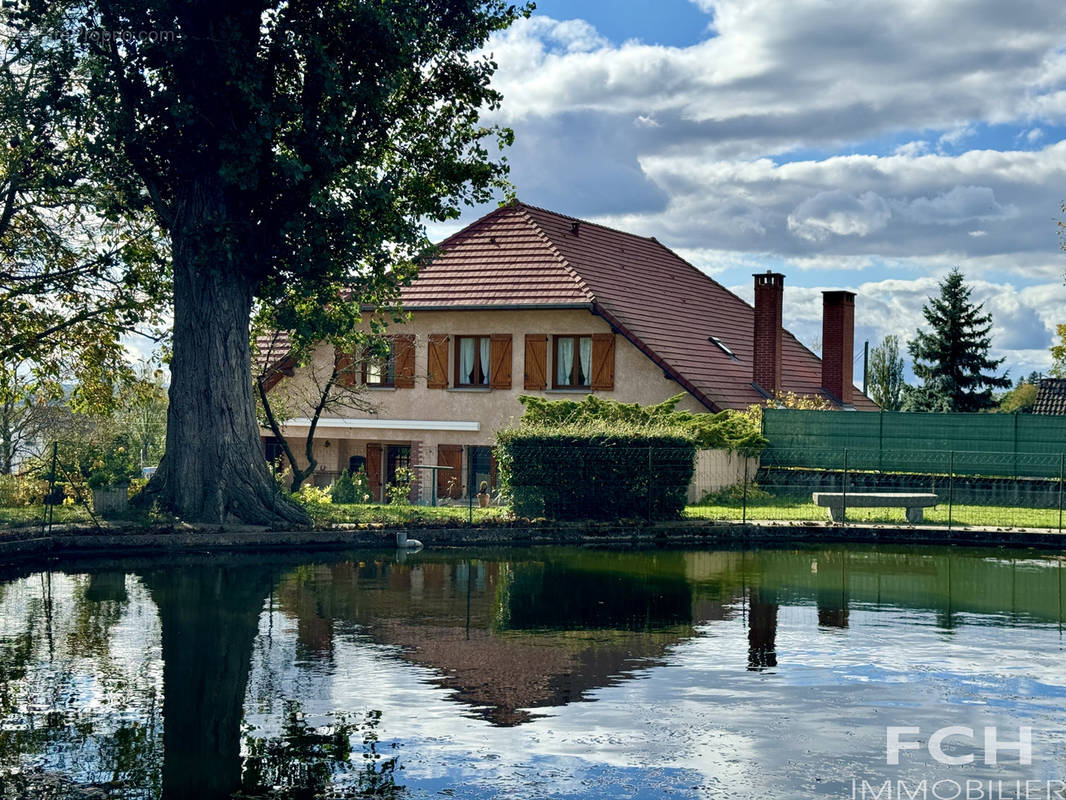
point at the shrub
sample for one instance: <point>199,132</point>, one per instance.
<point>351,488</point>
<point>735,495</point>
<point>738,431</point>
<point>399,491</point>
<point>596,471</point>
<point>21,490</point>
<point>314,500</point>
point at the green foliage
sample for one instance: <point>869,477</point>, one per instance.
<point>728,430</point>
<point>311,496</point>
<point>1058,353</point>
<point>316,501</point>
<point>596,470</point>
<point>108,463</point>
<point>886,374</point>
<point>951,359</point>
<point>399,491</point>
<point>735,495</point>
<point>21,490</point>
<point>351,488</point>
<point>76,270</point>
<point>1019,399</point>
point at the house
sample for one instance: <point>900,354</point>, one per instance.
<point>1050,396</point>
<point>529,301</point>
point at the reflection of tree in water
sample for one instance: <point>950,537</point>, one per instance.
<point>107,748</point>
<point>305,762</point>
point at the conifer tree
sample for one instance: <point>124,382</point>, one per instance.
<point>951,359</point>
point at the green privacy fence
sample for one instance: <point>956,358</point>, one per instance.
<point>1009,445</point>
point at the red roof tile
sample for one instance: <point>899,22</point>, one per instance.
<point>523,256</point>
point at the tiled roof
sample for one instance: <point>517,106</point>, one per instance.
<point>1051,396</point>
<point>523,256</point>
<point>504,259</point>
<point>270,351</point>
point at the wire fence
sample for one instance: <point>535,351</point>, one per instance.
<point>925,487</point>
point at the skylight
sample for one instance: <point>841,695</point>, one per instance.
<point>725,348</point>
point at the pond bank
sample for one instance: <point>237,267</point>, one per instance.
<point>21,544</point>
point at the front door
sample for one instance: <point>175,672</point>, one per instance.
<point>450,481</point>
<point>397,456</point>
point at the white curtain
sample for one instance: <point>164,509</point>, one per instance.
<point>585,344</point>
<point>564,362</point>
<point>485,360</point>
<point>466,360</point>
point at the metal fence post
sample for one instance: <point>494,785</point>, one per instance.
<point>49,509</point>
<point>649,483</point>
<point>1062,463</point>
<point>744,495</point>
<point>951,486</point>
<point>844,487</point>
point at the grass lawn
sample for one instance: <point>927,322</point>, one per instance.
<point>786,509</point>
<point>762,509</point>
<point>398,515</point>
<point>30,515</point>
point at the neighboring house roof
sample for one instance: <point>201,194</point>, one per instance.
<point>520,256</point>
<point>271,357</point>
<point>1051,396</point>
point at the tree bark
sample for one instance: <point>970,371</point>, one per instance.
<point>213,470</point>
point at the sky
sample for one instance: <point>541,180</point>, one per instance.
<point>850,144</point>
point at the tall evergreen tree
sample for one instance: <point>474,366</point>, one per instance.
<point>952,359</point>
<point>886,374</point>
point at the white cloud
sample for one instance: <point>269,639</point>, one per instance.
<point>960,204</point>
<point>781,73</point>
<point>697,146</point>
<point>910,149</point>
<point>838,213</point>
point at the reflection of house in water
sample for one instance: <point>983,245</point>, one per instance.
<point>505,638</point>
<point>509,637</point>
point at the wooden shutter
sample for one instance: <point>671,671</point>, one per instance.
<point>536,373</point>
<point>345,371</point>
<point>500,360</point>
<point>373,469</point>
<point>438,361</point>
<point>403,350</point>
<point>603,361</point>
<point>450,482</point>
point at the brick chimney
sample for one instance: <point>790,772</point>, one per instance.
<point>838,344</point>
<point>766,363</point>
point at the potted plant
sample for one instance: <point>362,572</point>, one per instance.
<point>108,471</point>
<point>483,494</point>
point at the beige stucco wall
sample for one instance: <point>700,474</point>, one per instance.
<point>636,380</point>
<point>717,469</point>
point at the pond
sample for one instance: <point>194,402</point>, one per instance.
<point>538,673</point>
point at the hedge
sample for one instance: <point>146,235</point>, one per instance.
<point>569,473</point>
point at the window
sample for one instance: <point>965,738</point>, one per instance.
<point>379,365</point>
<point>472,361</point>
<point>397,456</point>
<point>573,361</point>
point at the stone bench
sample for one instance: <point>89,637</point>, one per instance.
<point>836,501</point>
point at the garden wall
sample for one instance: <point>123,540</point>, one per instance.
<point>717,469</point>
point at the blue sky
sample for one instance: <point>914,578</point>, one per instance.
<point>862,144</point>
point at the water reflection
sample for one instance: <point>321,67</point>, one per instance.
<point>283,677</point>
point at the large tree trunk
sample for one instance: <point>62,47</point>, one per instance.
<point>213,470</point>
